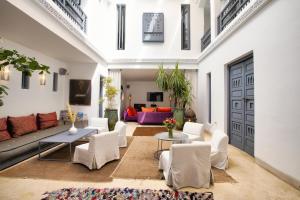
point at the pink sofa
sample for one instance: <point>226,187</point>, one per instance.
<point>153,117</point>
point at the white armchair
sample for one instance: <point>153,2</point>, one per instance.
<point>120,127</point>
<point>101,124</point>
<point>194,131</point>
<point>219,153</point>
<point>101,149</point>
<point>187,165</point>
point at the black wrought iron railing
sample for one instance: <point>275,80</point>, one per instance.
<point>206,39</point>
<point>230,11</point>
<point>73,10</point>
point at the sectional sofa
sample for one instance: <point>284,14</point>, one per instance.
<point>19,136</point>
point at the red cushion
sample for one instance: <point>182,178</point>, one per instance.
<point>21,125</point>
<point>131,111</point>
<point>4,135</point>
<point>3,124</point>
<point>46,120</point>
<point>163,109</point>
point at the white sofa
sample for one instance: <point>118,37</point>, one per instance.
<point>101,124</point>
<point>194,131</point>
<point>219,149</point>
<point>187,165</point>
<point>120,128</point>
<point>101,149</point>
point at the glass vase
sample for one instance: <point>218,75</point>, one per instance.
<point>170,131</point>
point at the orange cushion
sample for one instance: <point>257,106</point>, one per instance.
<point>163,109</point>
<point>22,125</point>
<point>47,120</point>
<point>148,109</point>
<point>4,135</point>
<point>131,111</point>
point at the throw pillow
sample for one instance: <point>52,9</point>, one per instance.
<point>131,111</point>
<point>18,126</point>
<point>148,109</point>
<point>4,134</point>
<point>46,120</point>
<point>164,109</point>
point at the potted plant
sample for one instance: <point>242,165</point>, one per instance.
<point>110,112</point>
<point>180,89</point>
<point>20,63</point>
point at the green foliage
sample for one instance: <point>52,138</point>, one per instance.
<point>21,63</point>
<point>162,79</point>
<point>110,92</point>
<point>176,83</point>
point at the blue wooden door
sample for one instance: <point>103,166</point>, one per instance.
<point>242,106</point>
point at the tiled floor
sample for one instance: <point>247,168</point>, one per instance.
<point>253,182</point>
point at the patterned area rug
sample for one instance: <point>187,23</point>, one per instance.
<point>126,193</point>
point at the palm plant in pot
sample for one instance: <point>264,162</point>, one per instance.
<point>110,112</point>
<point>180,89</point>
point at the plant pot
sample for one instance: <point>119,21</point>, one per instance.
<point>189,115</point>
<point>178,114</point>
<point>112,115</point>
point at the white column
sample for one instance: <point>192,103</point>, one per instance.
<point>116,81</point>
<point>192,76</point>
<point>215,9</point>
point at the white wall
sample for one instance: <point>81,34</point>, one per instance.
<point>273,36</point>
<point>102,28</point>
<point>139,89</point>
<point>88,72</point>
<point>38,98</point>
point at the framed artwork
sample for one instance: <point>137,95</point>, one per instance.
<point>80,92</point>
<point>153,27</point>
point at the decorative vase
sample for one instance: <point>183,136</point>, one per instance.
<point>189,115</point>
<point>178,114</point>
<point>112,115</point>
<point>170,131</point>
<point>73,129</point>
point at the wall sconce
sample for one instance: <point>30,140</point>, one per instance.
<point>5,73</point>
<point>43,79</point>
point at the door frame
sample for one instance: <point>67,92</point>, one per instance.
<point>240,59</point>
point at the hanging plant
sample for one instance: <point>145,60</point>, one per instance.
<point>20,63</point>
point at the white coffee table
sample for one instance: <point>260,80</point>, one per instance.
<point>178,137</point>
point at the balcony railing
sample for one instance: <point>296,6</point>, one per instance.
<point>230,11</point>
<point>205,40</point>
<point>73,10</point>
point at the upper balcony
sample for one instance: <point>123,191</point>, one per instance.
<point>73,11</point>
<point>227,13</point>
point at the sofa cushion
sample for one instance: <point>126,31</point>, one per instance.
<point>46,120</point>
<point>131,111</point>
<point>4,135</point>
<point>163,109</point>
<point>148,109</point>
<point>18,126</point>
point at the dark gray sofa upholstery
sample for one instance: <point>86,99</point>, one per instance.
<point>18,149</point>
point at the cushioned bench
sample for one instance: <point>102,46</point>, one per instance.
<point>18,149</point>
